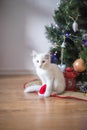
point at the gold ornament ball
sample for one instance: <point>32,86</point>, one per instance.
<point>79,65</point>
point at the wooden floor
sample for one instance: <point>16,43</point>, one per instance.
<point>20,111</point>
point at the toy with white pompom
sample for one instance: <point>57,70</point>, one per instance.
<point>35,87</point>
<point>42,90</point>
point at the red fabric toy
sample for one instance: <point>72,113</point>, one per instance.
<point>42,90</point>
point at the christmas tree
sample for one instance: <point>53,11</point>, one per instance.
<point>68,35</point>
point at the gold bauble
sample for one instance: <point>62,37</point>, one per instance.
<point>79,65</point>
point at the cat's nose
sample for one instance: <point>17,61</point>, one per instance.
<point>40,66</point>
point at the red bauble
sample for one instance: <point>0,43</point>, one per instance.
<point>79,65</point>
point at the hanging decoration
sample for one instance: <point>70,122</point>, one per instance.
<point>70,78</point>
<point>75,26</point>
<point>54,58</point>
<point>79,65</point>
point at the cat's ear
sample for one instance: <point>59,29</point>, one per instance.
<point>47,56</point>
<point>34,53</point>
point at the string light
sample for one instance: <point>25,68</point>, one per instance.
<point>58,3</point>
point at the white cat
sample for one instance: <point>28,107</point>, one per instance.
<point>49,74</point>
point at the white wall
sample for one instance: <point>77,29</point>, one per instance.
<point>21,31</point>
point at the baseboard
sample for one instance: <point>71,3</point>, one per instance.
<point>16,72</point>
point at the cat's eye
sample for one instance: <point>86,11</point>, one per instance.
<point>37,61</point>
<point>43,61</point>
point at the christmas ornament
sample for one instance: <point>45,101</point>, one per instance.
<point>84,35</point>
<point>75,26</point>
<point>58,3</point>
<point>79,65</point>
<point>85,42</point>
<point>63,45</point>
<point>70,76</point>
<point>83,88</point>
<point>62,67</point>
<point>67,35</point>
<point>54,58</point>
<point>55,45</point>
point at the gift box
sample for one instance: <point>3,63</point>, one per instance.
<point>70,78</point>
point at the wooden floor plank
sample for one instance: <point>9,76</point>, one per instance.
<point>20,111</point>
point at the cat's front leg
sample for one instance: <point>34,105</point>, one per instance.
<point>42,80</point>
<point>48,88</point>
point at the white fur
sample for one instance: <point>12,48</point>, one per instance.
<point>32,88</point>
<point>49,74</point>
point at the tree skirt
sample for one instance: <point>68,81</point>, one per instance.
<point>66,95</point>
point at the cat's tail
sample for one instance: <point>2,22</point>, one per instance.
<point>32,88</point>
